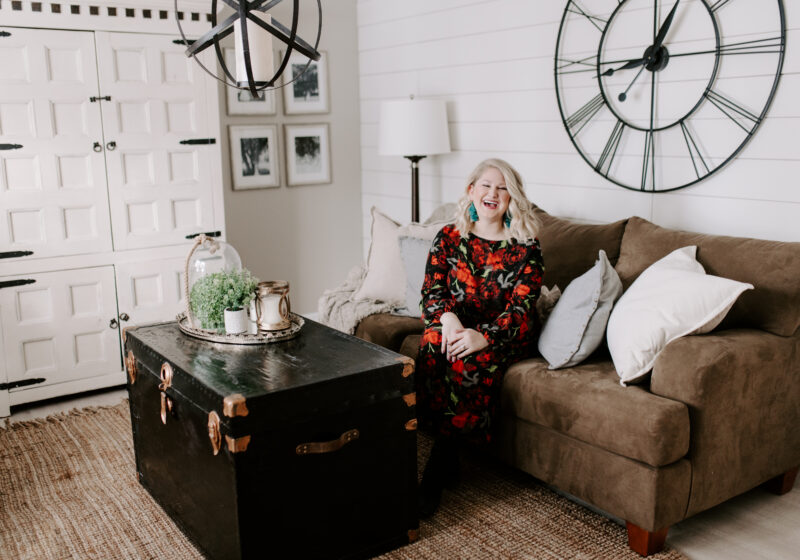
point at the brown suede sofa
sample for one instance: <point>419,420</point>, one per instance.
<point>719,415</point>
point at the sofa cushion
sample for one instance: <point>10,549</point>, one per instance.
<point>674,297</point>
<point>577,324</point>
<point>773,267</point>
<point>569,249</point>
<point>388,330</point>
<point>586,402</point>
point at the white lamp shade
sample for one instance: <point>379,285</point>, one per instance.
<point>413,127</point>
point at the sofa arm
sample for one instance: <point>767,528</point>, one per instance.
<point>742,388</point>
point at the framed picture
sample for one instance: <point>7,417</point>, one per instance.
<point>241,102</point>
<point>254,156</point>
<point>308,159</point>
<point>309,92</point>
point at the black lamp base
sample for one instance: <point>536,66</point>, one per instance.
<point>414,186</point>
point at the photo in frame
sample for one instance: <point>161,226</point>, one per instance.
<point>308,159</point>
<point>254,156</point>
<point>309,92</point>
<point>240,101</point>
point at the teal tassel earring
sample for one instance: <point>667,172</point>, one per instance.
<point>473,214</point>
<point>507,219</point>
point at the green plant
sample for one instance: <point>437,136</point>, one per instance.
<point>215,292</point>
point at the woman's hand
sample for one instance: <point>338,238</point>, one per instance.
<point>464,342</point>
<point>451,324</point>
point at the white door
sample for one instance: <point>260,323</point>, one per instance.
<point>160,189</point>
<point>58,327</point>
<point>150,292</point>
<point>53,198</point>
<point>5,402</point>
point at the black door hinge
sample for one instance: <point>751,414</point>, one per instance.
<point>21,383</point>
<point>15,254</point>
<point>10,146</point>
<point>94,99</point>
<point>195,141</point>
<point>13,283</point>
<point>208,234</point>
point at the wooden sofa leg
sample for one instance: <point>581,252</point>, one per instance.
<point>646,542</point>
<point>782,483</point>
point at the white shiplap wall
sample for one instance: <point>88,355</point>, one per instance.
<point>492,61</point>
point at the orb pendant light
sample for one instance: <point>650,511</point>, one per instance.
<point>254,31</point>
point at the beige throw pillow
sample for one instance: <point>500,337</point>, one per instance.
<point>386,274</point>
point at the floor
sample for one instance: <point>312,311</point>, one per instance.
<point>754,526</point>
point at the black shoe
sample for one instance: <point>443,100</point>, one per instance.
<point>430,495</point>
<point>441,470</point>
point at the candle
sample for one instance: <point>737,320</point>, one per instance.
<point>260,46</point>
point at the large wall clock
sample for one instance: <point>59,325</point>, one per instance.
<point>658,94</point>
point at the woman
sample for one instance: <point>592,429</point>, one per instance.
<point>481,283</point>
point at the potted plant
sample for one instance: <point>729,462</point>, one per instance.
<point>223,295</point>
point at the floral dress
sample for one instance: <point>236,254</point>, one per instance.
<point>492,287</point>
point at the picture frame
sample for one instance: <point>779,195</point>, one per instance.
<point>254,156</point>
<point>308,155</point>
<point>241,102</point>
<point>309,93</point>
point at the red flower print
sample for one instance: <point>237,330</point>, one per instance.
<point>522,290</point>
<point>432,337</point>
<point>460,420</point>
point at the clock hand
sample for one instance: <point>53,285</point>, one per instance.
<point>630,64</point>
<point>624,95</point>
<point>662,33</point>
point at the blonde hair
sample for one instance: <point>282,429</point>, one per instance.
<point>524,224</point>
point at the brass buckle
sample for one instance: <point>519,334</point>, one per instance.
<point>166,382</point>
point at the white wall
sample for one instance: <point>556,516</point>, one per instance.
<point>309,235</point>
<point>492,61</point>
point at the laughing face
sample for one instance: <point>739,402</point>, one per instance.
<point>490,195</point>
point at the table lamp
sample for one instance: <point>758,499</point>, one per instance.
<point>414,129</point>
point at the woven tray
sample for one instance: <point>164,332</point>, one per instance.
<point>263,337</point>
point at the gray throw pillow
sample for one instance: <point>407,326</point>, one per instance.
<point>414,254</point>
<point>578,322</point>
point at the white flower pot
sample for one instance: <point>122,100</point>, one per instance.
<point>235,321</point>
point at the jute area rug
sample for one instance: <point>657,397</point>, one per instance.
<point>68,490</point>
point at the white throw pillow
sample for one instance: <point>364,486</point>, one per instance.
<point>577,323</point>
<point>385,279</point>
<point>672,298</point>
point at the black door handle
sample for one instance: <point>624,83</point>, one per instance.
<point>14,283</point>
<point>15,254</point>
<point>208,234</point>
<point>10,146</point>
<point>21,383</point>
<point>196,141</point>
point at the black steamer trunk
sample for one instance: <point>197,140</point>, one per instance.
<point>298,449</point>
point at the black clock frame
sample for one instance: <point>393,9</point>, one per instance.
<point>716,4</point>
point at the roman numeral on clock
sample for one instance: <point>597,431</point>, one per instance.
<point>575,8</point>
<point>649,159</point>
<point>579,118</point>
<point>694,150</point>
<point>733,111</point>
<point>588,64</point>
<point>607,157</point>
<point>718,4</point>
